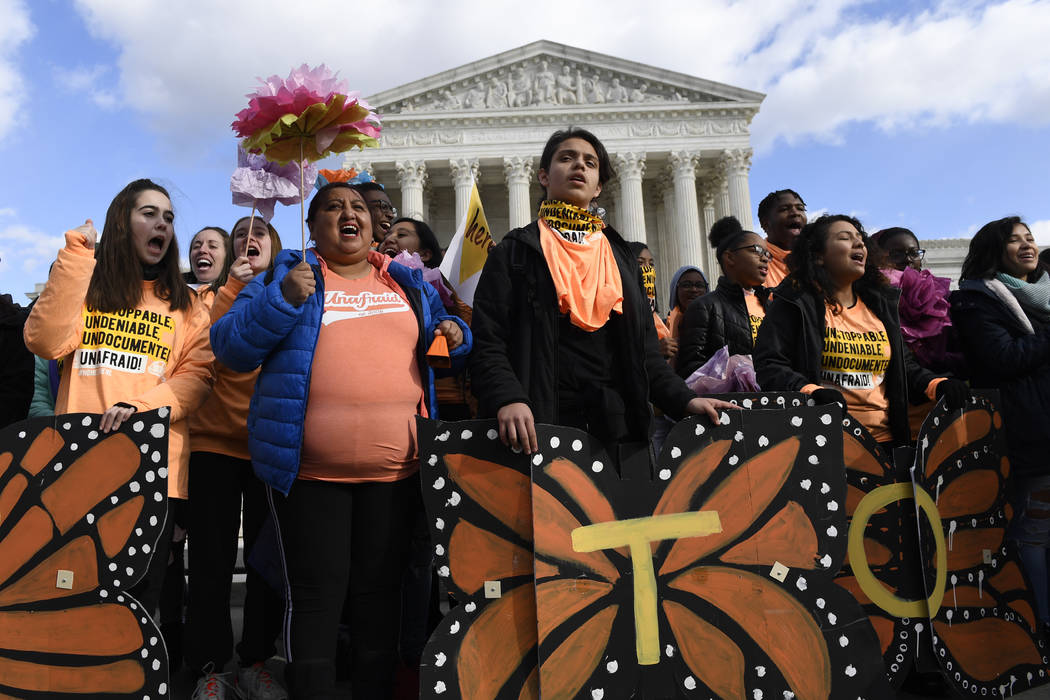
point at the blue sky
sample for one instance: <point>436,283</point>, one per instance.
<point>930,115</point>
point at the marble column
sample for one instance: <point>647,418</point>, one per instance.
<point>707,204</point>
<point>630,167</point>
<point>737,164</point>
<point>670,257</point>
<point>686,212</point>
<point>720,188</point>
<point>464,172</point>
<point>412,174</point>
<point>518,172</point>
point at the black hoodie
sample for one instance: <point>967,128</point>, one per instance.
<point>16,363</point>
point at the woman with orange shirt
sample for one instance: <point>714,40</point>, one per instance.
<point>832,331</point>
<point>221,478</point>
<point>334,438</point>
<point>133,269</point>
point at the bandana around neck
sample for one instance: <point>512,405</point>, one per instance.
<point>569,218</point>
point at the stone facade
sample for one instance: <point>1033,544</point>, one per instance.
<point>680,145</point>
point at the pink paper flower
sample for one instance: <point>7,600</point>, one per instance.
<point>310,111</point>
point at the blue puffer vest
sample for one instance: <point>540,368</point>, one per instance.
<point>262,328</point>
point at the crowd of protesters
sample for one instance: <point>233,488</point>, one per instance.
<point>294,379</point>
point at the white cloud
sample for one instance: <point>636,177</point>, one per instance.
<point>824,63</point>
<point>1041,232</point>
<point>7,211</point>
<point>27,253</point>
<point>89,81</point>
<point>15,29</point>
<point>956,63</point>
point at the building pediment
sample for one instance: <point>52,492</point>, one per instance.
<point>545,75</point>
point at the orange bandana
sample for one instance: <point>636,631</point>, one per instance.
<point>586,278</point>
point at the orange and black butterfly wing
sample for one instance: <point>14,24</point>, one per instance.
<point>478,502</point>
<point>80,515</point>
<point>984,630</point>
<point>779,489</point>
<point>890,547</point>
<point>774,481</point>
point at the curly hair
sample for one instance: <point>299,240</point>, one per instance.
<point>814,278</point>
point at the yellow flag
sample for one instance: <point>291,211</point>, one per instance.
<point>477,239</point>
<point>468,250</point>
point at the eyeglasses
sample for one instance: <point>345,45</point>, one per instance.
<point>383,208</point>
<point>910,253</point>
<point>756,249</point>
<point>692,285</point>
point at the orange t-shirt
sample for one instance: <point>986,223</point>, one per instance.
<point>755,313</point>
<point>149,357</point>
<point>365,384</point>
<point>855,358</point>
<point>221,424</point>
<point>778,268</point>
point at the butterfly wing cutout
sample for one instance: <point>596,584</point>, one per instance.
<point>730,510</point>
<point>985,634</point>
<point>479,506</point>
<point>80,515</point>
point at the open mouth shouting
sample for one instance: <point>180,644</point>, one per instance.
<point>202,263</point>
<point>859,257</point>
<point>390,249</point>
<point>155,248</point>
<point>349,232</point>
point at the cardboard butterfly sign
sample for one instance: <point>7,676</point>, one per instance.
<point>80,515</point>
<point>713,578</point>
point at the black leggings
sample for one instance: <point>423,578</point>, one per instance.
<point>334,534</point>
<point>218,484</point>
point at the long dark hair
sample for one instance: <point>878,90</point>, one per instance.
<point>813,278</point>
<point>116,283</point>
<point>984,259</point>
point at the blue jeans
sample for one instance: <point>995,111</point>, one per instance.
<point>1030,530</point>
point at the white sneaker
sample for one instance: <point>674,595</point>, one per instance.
<point>257,683</point>
<point>216,686</point>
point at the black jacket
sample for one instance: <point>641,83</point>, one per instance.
<point>515,326</point>
<point>712,321</point>
<point>790,345</point>
<point>1008,351</point>
<point>16,363</point>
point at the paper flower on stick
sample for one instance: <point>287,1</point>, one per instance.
<point>309,115</point>
<point>261,183</point>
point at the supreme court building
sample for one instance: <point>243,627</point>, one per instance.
<point>680,145</point>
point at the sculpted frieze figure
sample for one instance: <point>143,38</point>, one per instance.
<point>497,94</point>
<point>617,92</point>
<point>476,96</point>
<point>520,91</point>
<point>566,87</point>
<point>449,100</point>
<point>545,84</point>
<point>594,92</point>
